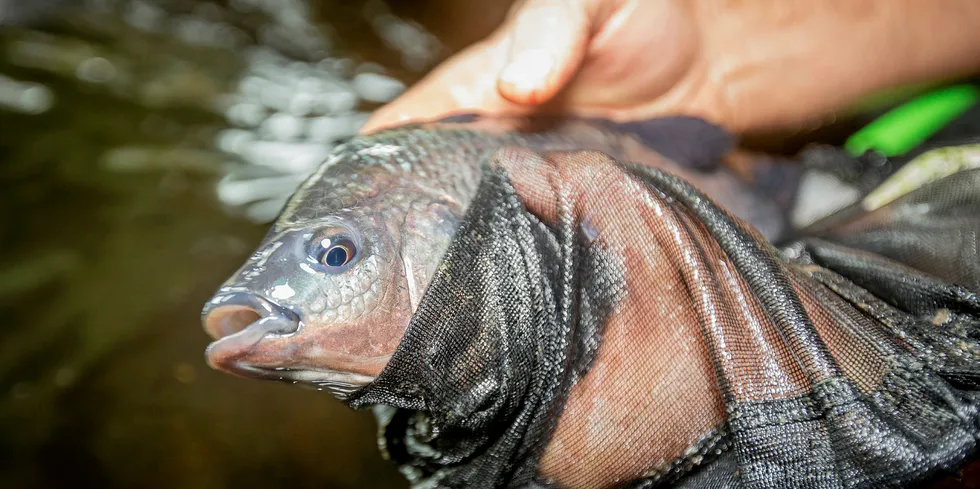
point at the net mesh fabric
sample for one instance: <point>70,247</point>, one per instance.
<point>598,324</point>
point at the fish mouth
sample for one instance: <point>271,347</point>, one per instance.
<point>240,321</point>
<point>229,315</point>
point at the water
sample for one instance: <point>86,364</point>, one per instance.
<point>144,145</point>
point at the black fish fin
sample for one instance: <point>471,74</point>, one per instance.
<point>691,141</point>
<point>778,178</point>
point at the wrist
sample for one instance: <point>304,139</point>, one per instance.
<point>813,59</point>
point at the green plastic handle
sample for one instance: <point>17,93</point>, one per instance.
<point>910,124</point>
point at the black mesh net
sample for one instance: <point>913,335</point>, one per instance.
<point>597,324</point>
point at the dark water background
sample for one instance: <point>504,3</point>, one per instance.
<point>104,269</point>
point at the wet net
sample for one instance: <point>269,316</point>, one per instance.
<point>597,324</point>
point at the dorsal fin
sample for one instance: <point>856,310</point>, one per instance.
<point>691,141</point>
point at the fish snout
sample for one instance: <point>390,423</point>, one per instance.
<point>239,322</point>
<point>227,315</point>
<point>254,338</point>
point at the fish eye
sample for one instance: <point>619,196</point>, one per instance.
<point>337,252</point>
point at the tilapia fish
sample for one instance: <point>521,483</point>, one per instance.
<point>328,295</point>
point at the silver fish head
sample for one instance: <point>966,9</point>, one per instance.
<point>328,295</point>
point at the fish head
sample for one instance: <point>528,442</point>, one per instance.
<point>326,298</point>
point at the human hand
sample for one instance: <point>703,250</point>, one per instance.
<point>747,65</point>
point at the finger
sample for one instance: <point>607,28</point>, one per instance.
<point>465,82</point>
<point>547,41</point>
<point>640,52</point>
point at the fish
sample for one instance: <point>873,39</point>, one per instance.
<point>327,296</point>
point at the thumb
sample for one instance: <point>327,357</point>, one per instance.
<point>547,43</point>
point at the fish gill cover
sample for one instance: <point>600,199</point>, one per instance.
<point>599,324</point>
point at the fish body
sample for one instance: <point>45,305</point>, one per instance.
<point>328,295</point>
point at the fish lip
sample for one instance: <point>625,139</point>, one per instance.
<point>263,307</point>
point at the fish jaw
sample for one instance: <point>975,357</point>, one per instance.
<point>255,338</point>
<point>265,350</point>
<point>281,318</point>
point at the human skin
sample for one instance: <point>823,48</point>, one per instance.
<point>749,65</point>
